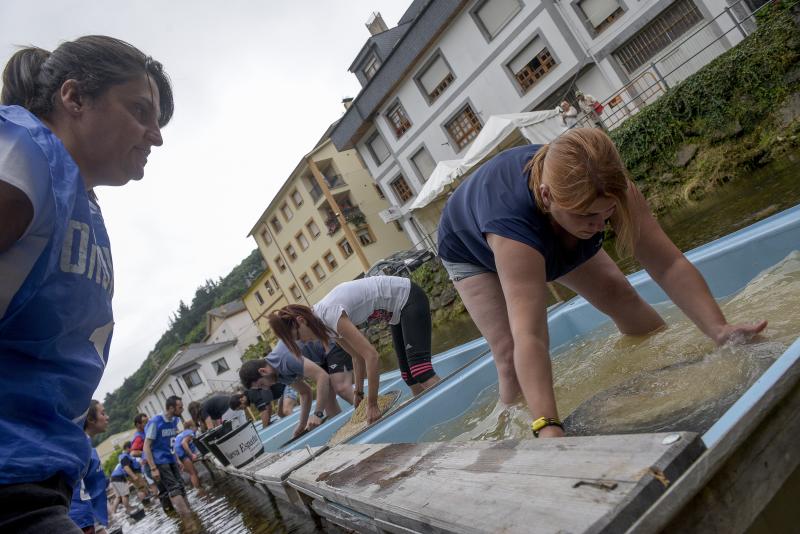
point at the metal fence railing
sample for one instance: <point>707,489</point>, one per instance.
<point>664,72</point>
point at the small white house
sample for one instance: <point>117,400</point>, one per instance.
<point>193,374</point>
<point>231,321</point>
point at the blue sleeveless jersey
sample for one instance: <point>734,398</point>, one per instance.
<point>89,502</point>
<point>118,471</point>
<point>163,434</point>
<point>179,450</point>
<point>56,331</point>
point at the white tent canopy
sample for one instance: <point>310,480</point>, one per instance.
<point>538,127</point>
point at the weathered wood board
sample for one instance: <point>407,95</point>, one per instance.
<point>273,471</point>
<point>574,484</point>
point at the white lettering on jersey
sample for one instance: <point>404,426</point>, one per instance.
<point>94,262</point>
<point>100,339</point>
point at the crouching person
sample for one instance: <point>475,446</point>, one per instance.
<point>187,452</point>
<point>125,470</point>
<point>159,433</point>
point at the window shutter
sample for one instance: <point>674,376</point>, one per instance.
<point>598,10</point>
<point>433,76</point>
<point>494,13</point>
<point>525,57</point>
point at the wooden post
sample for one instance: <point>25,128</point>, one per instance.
<point>338,213</point>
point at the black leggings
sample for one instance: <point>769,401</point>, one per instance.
<point>412,338</point>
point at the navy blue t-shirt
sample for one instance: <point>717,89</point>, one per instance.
<point>497,200</point>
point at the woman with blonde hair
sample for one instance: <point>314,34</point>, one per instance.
<point>535,214</point>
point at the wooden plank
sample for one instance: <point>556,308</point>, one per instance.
<point>345,518</point>
<point>573,484</point>
<point>732,482</point>
<point>273,472</point>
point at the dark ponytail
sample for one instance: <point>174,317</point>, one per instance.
<point>33,77</point>
<point>20,77</point>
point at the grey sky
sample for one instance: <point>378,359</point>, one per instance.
<point>256,83</point>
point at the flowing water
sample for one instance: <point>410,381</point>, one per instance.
<point>675,379</point>
<point>224,505</point>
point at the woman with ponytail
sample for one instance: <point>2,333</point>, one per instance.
<point>84,115</point>
<point>536,214</point>
<point>334,319</point>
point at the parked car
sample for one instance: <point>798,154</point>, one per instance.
<point>400,263</point>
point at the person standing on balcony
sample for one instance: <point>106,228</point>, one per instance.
<point>281,367</point>
<point>569,114</point>
<point>591,107</point>
<point>84,115</point>
<point>538,213</point>
<point>334,318</point>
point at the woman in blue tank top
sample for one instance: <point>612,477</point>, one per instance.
<point>536,214</point>
<point>82,116</point>
<point>89,505</point>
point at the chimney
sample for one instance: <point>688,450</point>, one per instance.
<point>347,102</point>
<point>375,24</point>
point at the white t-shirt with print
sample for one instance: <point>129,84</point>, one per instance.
<point>360,298</point>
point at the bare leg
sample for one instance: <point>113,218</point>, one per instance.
<point>484,300</point>
<point>342,385</point>
<point>188,466</point>
<point>600,281</point>
<point>180,504</point>
<point>432,381</point>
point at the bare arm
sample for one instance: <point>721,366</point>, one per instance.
<point>129,471</point>
<point>359,372</point>
<point>17,213</point>
<point>320,377</point>
<point>148,450</point>
<point>521,270</point>
<point>358,346</point>
<point>266,414</point>
<point>678,277</point>
<point>185,445</point>
<point>304,393</point>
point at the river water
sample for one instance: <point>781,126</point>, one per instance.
<point>602,364</point>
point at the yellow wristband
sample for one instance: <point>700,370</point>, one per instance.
<point>542,422</point>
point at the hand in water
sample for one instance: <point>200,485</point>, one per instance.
<point>313,422</point>
<point>739,333</point>
<point>373,413</point>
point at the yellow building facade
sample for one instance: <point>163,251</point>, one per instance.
<point>321,229</point>
<point>261,297</point>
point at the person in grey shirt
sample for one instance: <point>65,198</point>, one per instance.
<point>281,366</point>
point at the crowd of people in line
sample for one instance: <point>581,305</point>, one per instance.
<point>88,114</point>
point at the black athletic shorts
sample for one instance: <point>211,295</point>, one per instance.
<point>36,507</point>
<point>171,479</point>
<point>337,361</point>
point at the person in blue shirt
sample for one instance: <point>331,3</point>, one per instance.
<point>535,214</point>
<point>85,115</point>
<point>127,469</point>
<point>159,443</point>
<point>137,452</point>
<point>89,505</point>
<point>187,452</point>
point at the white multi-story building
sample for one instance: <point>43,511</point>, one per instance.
<point>200,369</point>
<point>193,374</point>
<point>430,83</point>
<point>231,322</point>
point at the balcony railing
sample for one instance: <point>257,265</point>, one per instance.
<point>334,181</point>
<point>315,192</point>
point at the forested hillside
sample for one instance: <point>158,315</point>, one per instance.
<point>187,325</point>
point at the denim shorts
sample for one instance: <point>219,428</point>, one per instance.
<point>459,271</point>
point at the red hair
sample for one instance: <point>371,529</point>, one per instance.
<point>283,323</point>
